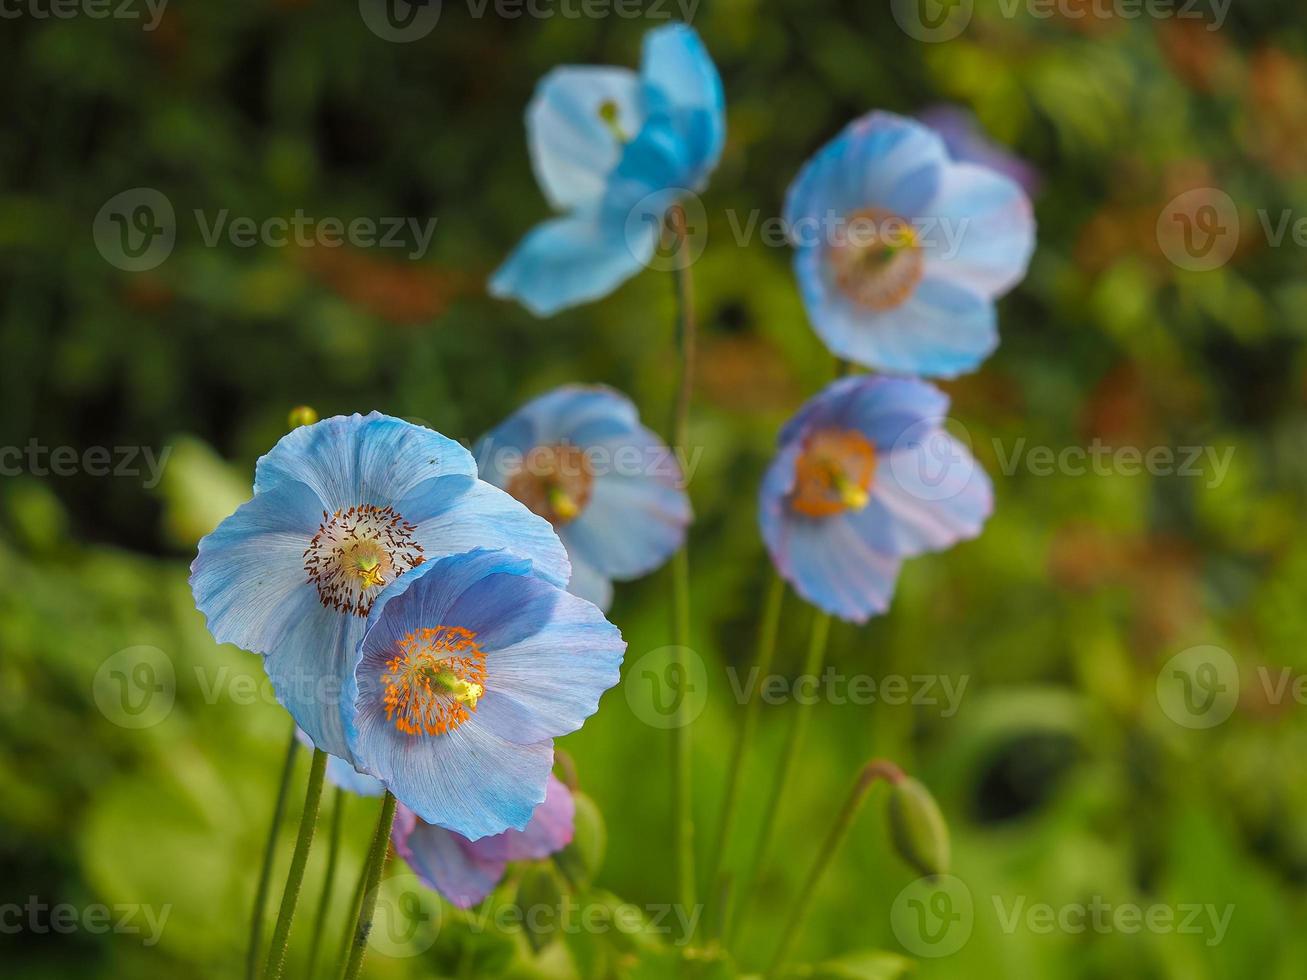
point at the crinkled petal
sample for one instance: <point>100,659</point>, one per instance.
<point>361,459</point>
<point>572,260</point>
<point>941,330</point>
<point>549,831</point>
<point>459,514</point>
<point>985,231</point>
<point>543,682</point>
<point>927,495</point>
<point>573,148</point>
<point>631,526</point>
<point>443,860</point>
<point>879,161</point>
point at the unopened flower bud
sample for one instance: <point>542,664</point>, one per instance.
<point>581,860</point>
<point>301,415</point>
<point>540,901</point>
<point>918,828</point>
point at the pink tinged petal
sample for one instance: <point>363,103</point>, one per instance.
<point>984,232</point>
<point>443,860</point>
<point>549,831</point>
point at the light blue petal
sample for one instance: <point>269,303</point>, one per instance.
<point>549,831</point>
<point>941,330</point>
<point>826,561</point>
<point>542,681</point>
<point>444,861</point>
<point>680,80</point>
<point>248,577</point>
<point>631,526</point>
<point>572,260</point>
<point>309,670</point>
<point>460,514</point>
<point>356,459</point>
<point>992,226</point>
<point>925,496</point>
<point>878,161</point>
<point>589,584</point>
<point>573,149</point>
<point>883,409</point>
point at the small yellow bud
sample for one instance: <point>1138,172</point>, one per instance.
<point>301,415</point>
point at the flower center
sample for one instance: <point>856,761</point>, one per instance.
<point>435,681</point>
<point>356,553</point>
<point>611,116</point>
<point>555,482</point>
<point>833,473</point>
<point>876,259</point>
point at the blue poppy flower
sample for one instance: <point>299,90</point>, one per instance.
<point>467,871</point>
<point>866,476</point>
<point>901,251</point>
<point>614,150</point>
<point>471,666</point>
<point>341,509</point>
<point>579,457</point>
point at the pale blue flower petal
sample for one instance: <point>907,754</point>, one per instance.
<point>992,225</point>
<point>549,831</point>
<point>680,80</point>
<point>573,148</point>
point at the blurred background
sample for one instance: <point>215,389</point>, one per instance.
<point>1080,764</point>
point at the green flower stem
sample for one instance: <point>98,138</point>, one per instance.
<point>372,878</point>
<point>811,667</point>
<point>295,876</point>
<point>328,879</point>
<point>352,918</point>
<point>681,755</point>
<point>771,618</point>
<point>875,770</point>
<point>269,852</point>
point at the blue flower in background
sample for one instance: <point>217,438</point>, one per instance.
<point>579,457</point>
<point>341,509</point>
<point>614,150</point>
<point>471,666</point>
<point>467,871</point>
<point>864,477</point>
<point>901,251</point>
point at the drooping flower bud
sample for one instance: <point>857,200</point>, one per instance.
<point>918,828</point>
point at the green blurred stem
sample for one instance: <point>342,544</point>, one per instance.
<point>771,618</point>
<point>874,770</point>
<point>681,758</point>
<point>372,877</point>
<point>269,852</point>
<point>298,862</point>
<point>811,667</point>
<point>328,879</point>
<point>352,918</point>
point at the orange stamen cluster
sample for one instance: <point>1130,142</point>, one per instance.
<point>554,482</point>
<point>356,553</point>
<point>876,259</point>
<point>833,473</point>
<point>432,685</point>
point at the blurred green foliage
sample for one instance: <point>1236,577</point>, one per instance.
<point>1060,777</point>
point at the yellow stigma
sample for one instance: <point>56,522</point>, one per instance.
<point>463,691</point>
<point>562,503</point>
<point>611,116</point>
<point>368,569</point>
<point>853,496</point>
